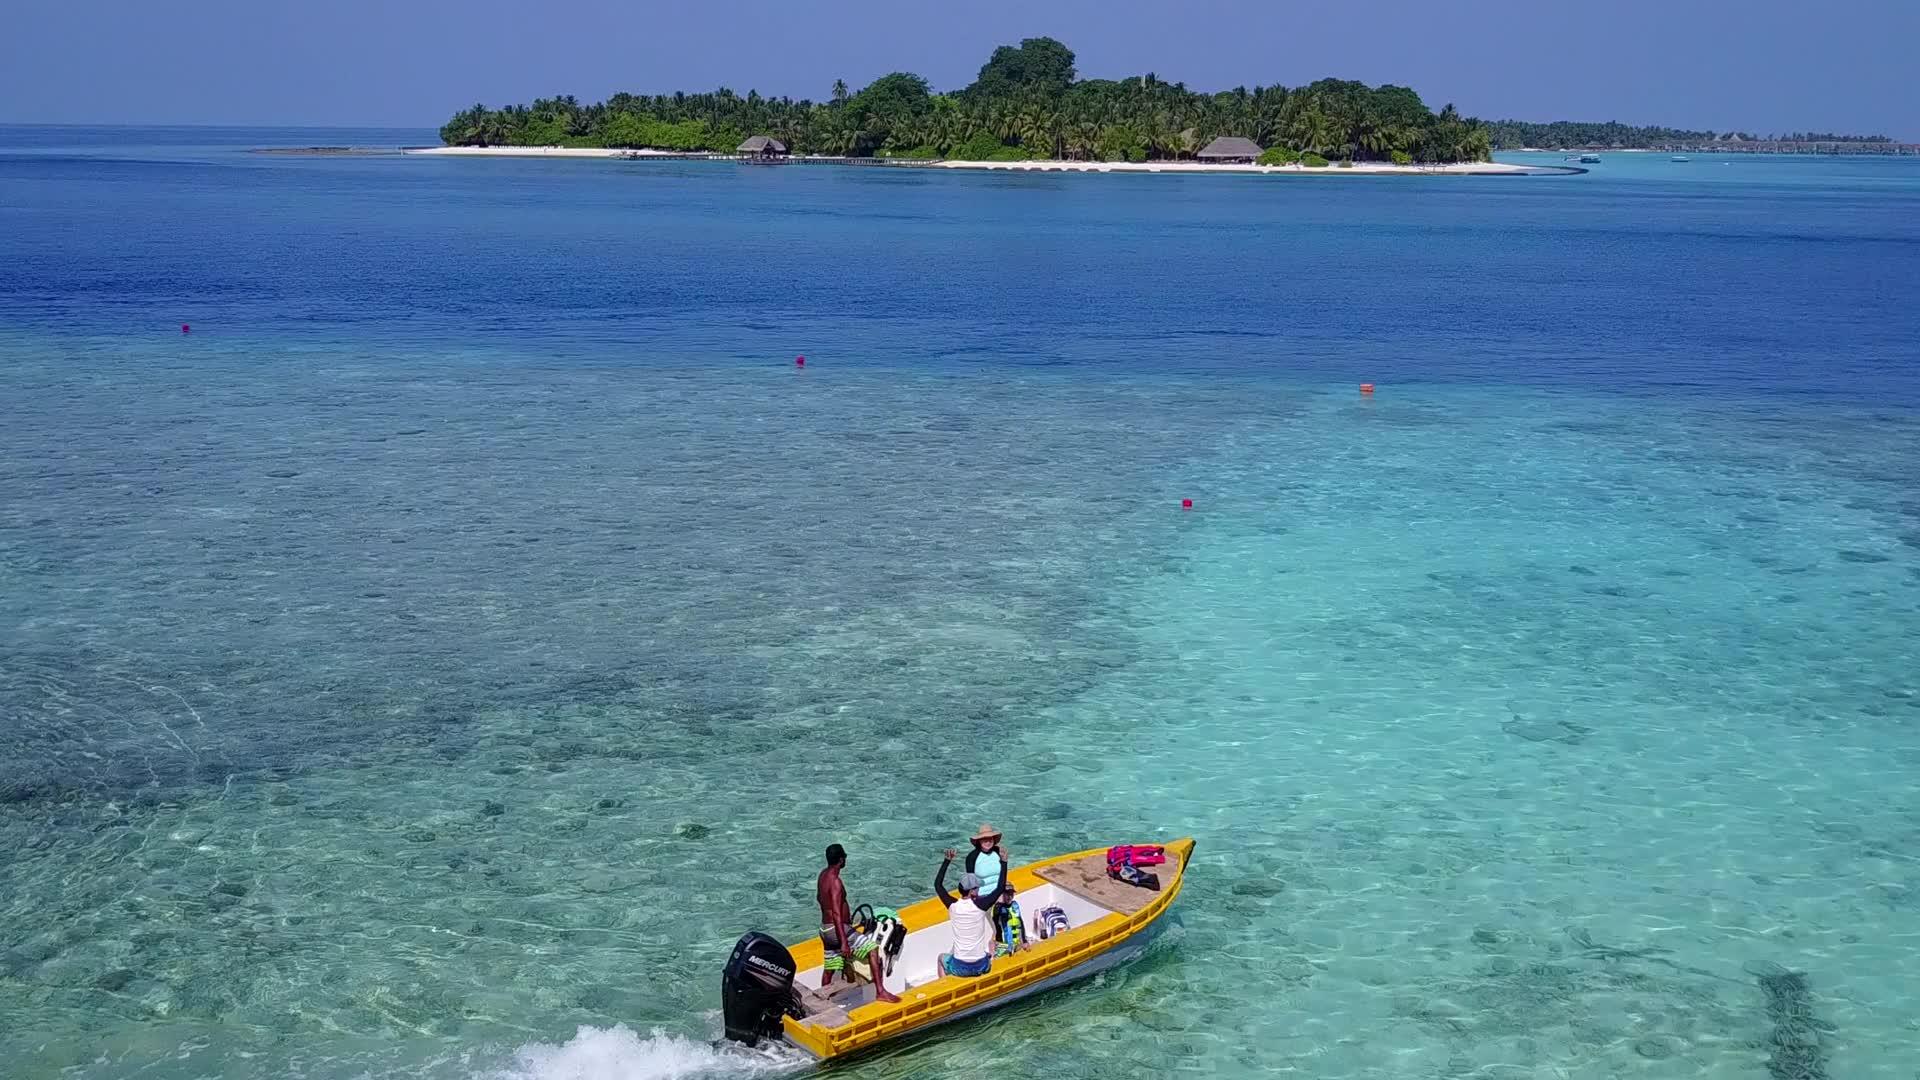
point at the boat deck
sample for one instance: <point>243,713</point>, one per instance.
<point>1086,877</point>
<point>830,1009</point>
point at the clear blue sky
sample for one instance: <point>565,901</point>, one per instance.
<point>1762,65</point>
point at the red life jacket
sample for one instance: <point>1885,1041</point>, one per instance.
<point>1135,855</point>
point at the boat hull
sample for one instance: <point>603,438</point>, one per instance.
<point>1106,961</point>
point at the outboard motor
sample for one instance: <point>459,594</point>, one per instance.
<point>757,989</point>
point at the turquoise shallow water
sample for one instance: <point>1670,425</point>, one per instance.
<point>430,665</point>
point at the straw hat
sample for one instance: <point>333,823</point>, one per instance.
<point>987,832</point>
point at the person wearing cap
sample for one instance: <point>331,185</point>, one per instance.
<point>969,915</point>
<point>989,860</point>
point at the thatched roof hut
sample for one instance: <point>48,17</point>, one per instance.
<point>1229,148</point>
<point>763,145</point>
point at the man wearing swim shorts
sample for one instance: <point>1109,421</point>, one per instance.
<point>837,933</point>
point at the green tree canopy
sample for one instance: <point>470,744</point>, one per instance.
<point>1025,103</point>
<point>898,93</point>
<point>1037,66</point>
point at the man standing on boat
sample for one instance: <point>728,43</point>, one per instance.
<point>837,934</point>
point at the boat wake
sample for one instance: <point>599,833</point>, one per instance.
<point>620,1053</point>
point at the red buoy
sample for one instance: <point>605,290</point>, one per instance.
<point>799,361</point>
<point>1186,504</point>
<point>1366,388</point>
<point>185,329</point>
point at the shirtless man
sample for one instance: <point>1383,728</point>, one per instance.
<point>837,934</point>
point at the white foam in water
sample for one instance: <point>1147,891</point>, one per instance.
<point>620,1053</point>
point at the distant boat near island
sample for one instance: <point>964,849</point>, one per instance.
<point>1680,157</point>
<point>1589,159</point>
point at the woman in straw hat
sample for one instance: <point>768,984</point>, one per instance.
<point>989,861</point>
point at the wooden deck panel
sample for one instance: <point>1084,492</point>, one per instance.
<point>1086,877</point>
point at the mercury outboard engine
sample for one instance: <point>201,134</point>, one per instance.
<point>757,989</point>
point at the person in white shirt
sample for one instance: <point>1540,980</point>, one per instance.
<point>971,916</point>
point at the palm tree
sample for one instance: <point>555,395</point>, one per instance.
<point>937,131</point>
<point>837,138</point>
<point>839,91</point>
<point>1312,131</point>
<point>786,128</point>
<point>1162,139</point>
<point>1004,122</point>
<point>1116,136</point>
<point>1476,144</point>
<point>467,128</point>
<point>1082,138</point>
<point>1205,122</point>
<point>1265,123</point>
<point>1376,135</point>
<point>1033,126</point>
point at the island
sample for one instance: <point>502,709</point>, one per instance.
<point>1573,135</point>
<point>1025,109</point>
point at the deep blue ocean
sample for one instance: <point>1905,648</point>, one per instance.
<point>432,662</point>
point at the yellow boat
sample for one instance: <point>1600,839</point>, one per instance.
<point>773,991</point>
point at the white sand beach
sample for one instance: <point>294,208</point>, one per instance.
<point>1469,168</point>
<point>1359,168</point>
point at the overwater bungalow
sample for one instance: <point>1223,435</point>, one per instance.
<point>764,147</point>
